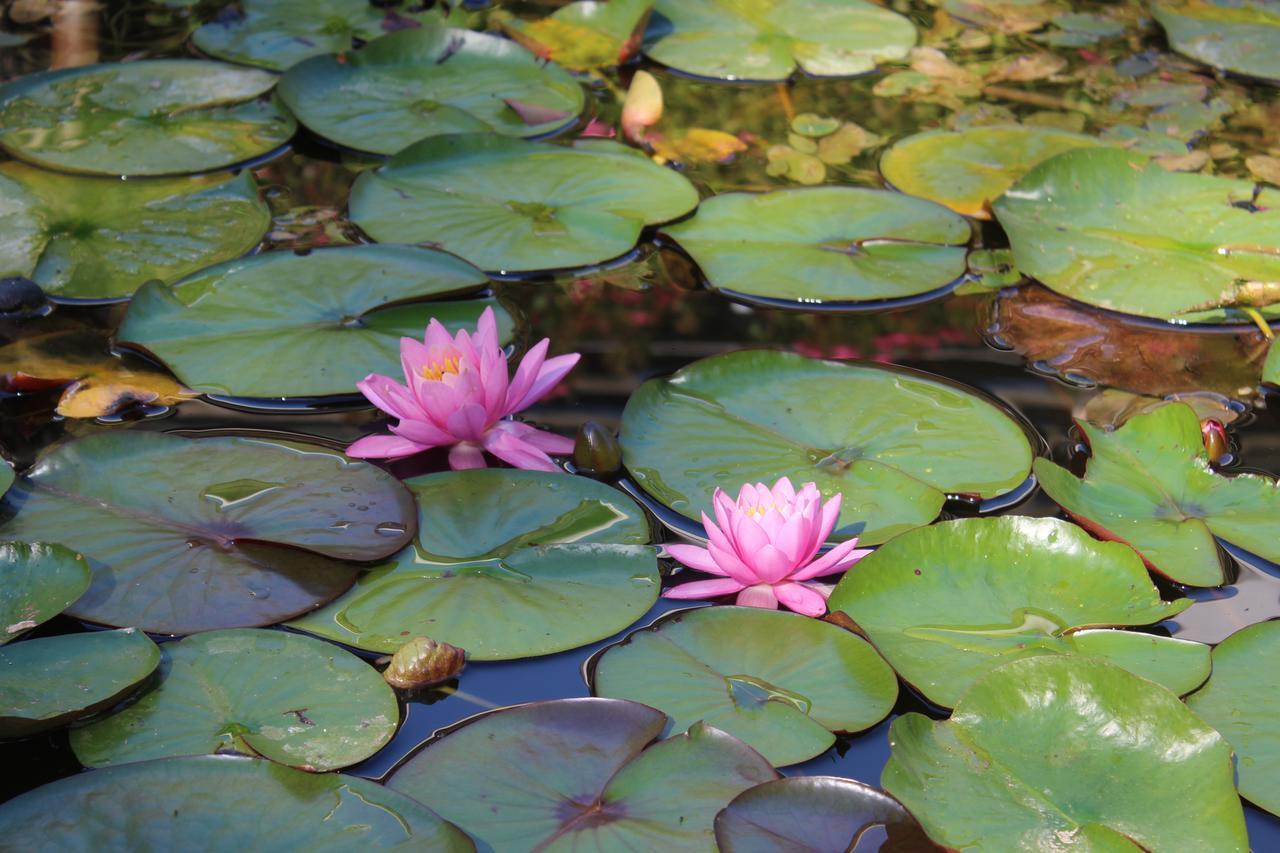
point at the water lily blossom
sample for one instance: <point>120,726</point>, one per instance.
<point>765,548</point>
<point>459,394</point>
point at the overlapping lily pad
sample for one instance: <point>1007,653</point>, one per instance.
<point>780,682</point>
<point>285,325</point>
<point>894,442</point>
<point>1235,35</point>
<point>733,40</point>
<point>153,117</point>
<point>584,35</point>
<point>1150,484</point>
<point>576,774</point>
<point>188,535</point>
<point>510,205</point>
<point>224,803</point>
<point>37,582</point>
<point>948,603</point>
<point>1122,763</point>
<point>1111,228</point>
<point>507,564</point>
<point>97,238</point>
<point>1271,367</point>
<point>829,244</point>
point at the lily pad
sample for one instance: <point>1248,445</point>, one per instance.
<point>153,117</point>
<point>1123,763</point>
<point>1150,484</point>
<point>188,535</point>
<point>507,564</point>
<point>1239,701</point>
<point>1006,16</point>
<point>224,803</point>
<point>575,774</point>
<point>100,238</point>
<point>280,324</point>
<point>510,205</point>
<point>1235,35</point>
<point>584,35</point>
<point>733,40</point>
<point>37,582</point>
<point>429,81</point>
<point>48,682</point>
<point>894,442</point>
<point>1111,228</point>
<point>948,603</point>
<point>325,708</point>
<point>825,245</point>
<point>968,169</point>
<point>1271,367</point>
<point>780,682</point>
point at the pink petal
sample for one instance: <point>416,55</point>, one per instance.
<point>516,451</point>
<point>414,356</point>
<point>771,565</point>
<point>748,537</point>
<point>771,523</point>
<point>487,331</point>
<point>760,595</point>
<point>703,589</point>
<point>830,515</point>
<point>468,422</point>
<point>423,433</point>
<point>695,558</point>
<point>437,336</point>
<point>801,599</point>
<point>784,492</point>
<point>492,376</point>
<point>464,455</point>
<point>525,374</point>
<point>382,446</point>
<point>838,559</point>
<point>796,539</point>
<point>732,564</point>
<point>548,442</point>
<point>388,395</point>
<point>549,376</point>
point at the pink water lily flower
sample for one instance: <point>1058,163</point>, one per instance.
<point>458,395</point>
<point>765,548</point>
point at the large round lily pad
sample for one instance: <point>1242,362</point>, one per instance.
<point>50,681</point>
<point>948,603</point>
<point>780,682</point>
<point>98,238</point>
<point>1150,484</point>
<point>285,325</point>
<point>429,81</point>
<point>1235,35</point>
<point>584,35</point>
<point>507,564</point>
<point>575,774</point>
<point>828,244</point>
<point>186,535</point>
<point>154,117</point>
<point>37,582</point>
<point>1065,752</point>
<point>510,205</point>
<point>1111,228</point>
<point>732,40</point>
<point>894,442</point>
<point>223,803</point>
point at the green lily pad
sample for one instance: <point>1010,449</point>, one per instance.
<point>429,81</point>
<point>325,708</point>
<point>1111,228</point>
<point>948,603</point>
<point>1271,367</point>
<point>48,682</point>
<point>894,442</point>
<point>780,682</point>
<point>507,564</point>
<point>1150,484</point>
<point>280,324</point>
<point>6,476</point>
<point>1122,763</point>
<point>189,535</point>
<point>583,35</point>
<point>37,582</point>
<point>828,245</point>
<point>968,169</point>
<point>755,40</point>
<point>1235,35</point>
<point>1239,701</point>
<point>100,238</point>
<point>224,803</point>
<point>575,774</point>
<point>153,117</point>
<point>510,205</point>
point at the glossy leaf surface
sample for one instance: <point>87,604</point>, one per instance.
<point>1235,35</point>
<point>582,35</point>
<point>37,582</point>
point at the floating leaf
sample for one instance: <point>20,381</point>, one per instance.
<point>37,582</point>
<point>1264,168</point>
<point>585,35</point>
<point>1271,367</point>
<point>1006,16</point>
<point>696,146</point>
<point>1235,35</point>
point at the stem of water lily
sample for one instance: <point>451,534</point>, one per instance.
<point>1258,321</point>
<point>788,108</point>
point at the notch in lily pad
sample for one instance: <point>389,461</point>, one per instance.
<point>38,580</point>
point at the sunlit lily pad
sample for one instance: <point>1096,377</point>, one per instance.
<point>510,205</point>
<point>153,117</point>
<point>780,682</point>
<point>1149,484</point>
<point>507,564</point>
<point>188,535</point>
<point>280,324</point>
<point>1120,763</point>
<point>1006,16</point>
<point>1235,35</point>
<point>99,238</point>
<point>224,803</point>
<point>37,582</point>
<point>574,774</point>
<point>425,82</point>
<point>948,603</point>
<point>733,40</point>
<point>1113,229</point>
<point>583,35</point>
<point>829,244</point>
<point>50,681</point>
<point>894,442</point>
<point>1271,367</point>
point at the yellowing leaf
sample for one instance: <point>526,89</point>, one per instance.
<point>698,145</point>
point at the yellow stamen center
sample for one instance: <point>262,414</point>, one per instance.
<point>759,510</point>
<point>436,370</point>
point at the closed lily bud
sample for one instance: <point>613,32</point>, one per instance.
<point>422,662</point>
<point>643,106</point>
<point>1215,439</point>
<point>596,450</point>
